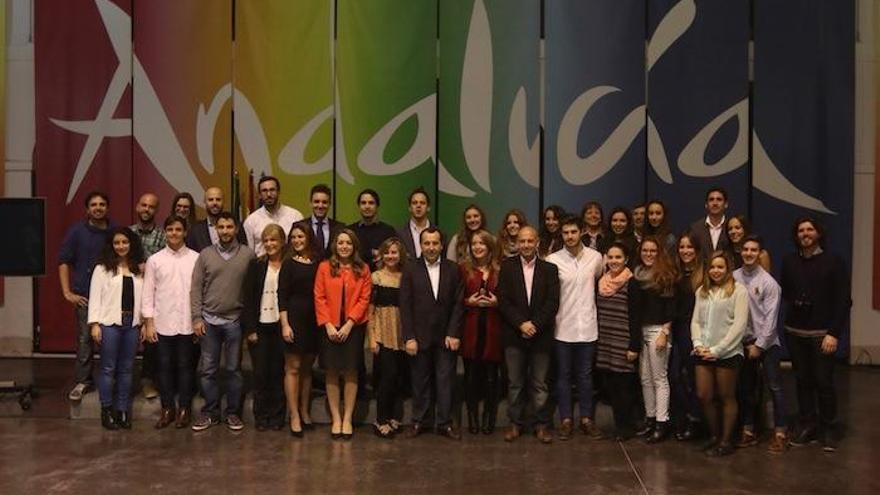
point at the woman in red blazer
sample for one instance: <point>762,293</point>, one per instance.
<point>342,296</point>
<point>481,332</point>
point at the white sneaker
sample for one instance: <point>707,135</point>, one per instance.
<point>76,394</point>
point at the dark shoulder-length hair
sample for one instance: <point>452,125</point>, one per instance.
<point>629,222</point>
<point>696,275</point>
<point>308,250</point>
<point>110,260</point>
<point>597,205</point>
<point>191,218</point>
<point>358,267</point>
<point>820,229</point>
<point>661,231</point>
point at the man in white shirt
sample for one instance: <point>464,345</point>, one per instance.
<point>419,207</point>
<point>272,211</point>
<point>167,322</point>
<point>577,327</point>
<point>711,231</point>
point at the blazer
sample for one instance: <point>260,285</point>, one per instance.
<point>319,252</point>
<point>405,235</point>
<point>427,320</point>
<point>328,295</point>
<point>701,231</point>
<point>252,294</point>
<point>105,297</point>
<point>198,238</point>
<point>515,307</point>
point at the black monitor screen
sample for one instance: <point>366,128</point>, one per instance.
<point>23,251</point>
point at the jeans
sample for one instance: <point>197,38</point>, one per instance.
<point>749,392</point>
<point>84,349</point>
<point>654,368</point>
<point>219,339</point>
<point>118,348</point>
<point>267,356</point>
<point>175,358</point>
<point>574,364</point>
<point>814,374</point>
<point>527,380</point>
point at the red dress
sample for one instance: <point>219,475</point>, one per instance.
<point>481,327</point>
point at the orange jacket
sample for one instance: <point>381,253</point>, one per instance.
<point>328,295</point>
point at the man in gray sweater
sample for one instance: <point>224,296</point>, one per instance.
<point>216,304</point>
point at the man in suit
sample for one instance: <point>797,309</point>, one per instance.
<point>528,298</point>
<point>204,233</point>
<point>711,231</point>
<point>323,228</point>
<point>431,312</point>
<point>419,207</point>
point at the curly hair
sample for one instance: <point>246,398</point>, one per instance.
<point>111,261</point>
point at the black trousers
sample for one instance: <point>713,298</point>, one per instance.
<point>267,355</point>
<point>388,366</point>
<point>150,362</point>
<point>176,378</point>
<point>481,383</point>
<point>622,390</point>
<point>814,374</point>
<point>437,363</point>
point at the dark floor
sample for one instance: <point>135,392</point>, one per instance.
<point>43,452</point>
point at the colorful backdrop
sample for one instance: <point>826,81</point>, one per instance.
<point>494,102</point>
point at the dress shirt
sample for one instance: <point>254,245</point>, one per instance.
<point>212,232</point>
<point>719,321</point>
<point>764,297</point>
<point>528,268</point>
<point>284,216</point>
<point>576,319</point>
<point>325,226</point>
<point>416,233</point>
<point>167,283</point>
<point>434,275</point>
<point>269,300</point>
<point>715,232</point>
<point>153,240</point>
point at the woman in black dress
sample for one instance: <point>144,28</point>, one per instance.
<point>299,328</point>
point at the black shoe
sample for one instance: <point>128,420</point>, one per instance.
<point>805,437</point>
<point>688,433</point>
<point>473,421</point>
<point>296,434</point>
<point>647,427</point>
<point>490,414</point>
<point>123,419</point>
<point>708,445</point>
<point>659,433</point>
<point>722,450</point>
<point>108,419</point>
<point>829,443</point>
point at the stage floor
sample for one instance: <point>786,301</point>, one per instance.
<point>43,452</point>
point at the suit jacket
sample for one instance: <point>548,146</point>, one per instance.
<point>515,308</point>
<point>252,294</point>
<point>198,238</point>
<point>319,252</point>
<point>405,235</point>
<point>701,231</point>
<point>423,318</point>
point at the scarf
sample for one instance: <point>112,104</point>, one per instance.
<point>609,284</point>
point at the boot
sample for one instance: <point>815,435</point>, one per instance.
<point>123,419</point>
<point>661,429</point>
<point>108,421</point>
<point>647,427</point>
<point>473,419</point>
<point>490,414</point>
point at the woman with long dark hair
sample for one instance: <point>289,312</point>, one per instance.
<point>657,225</point>
<point>114,319</point>
<point>550,237</point>
<point>299,327</point>
<point>738,228</point>
<point>472,220</point>
<point>720,317</point>
<point>620,230</point>
<point>481,333</point>
<point>513,221</point>
<point>342,297</point>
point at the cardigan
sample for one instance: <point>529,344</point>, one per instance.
<point>105,297</point>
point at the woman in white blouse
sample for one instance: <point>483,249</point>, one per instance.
<point>261,323</point>
<point>717,328</point>
<point>114,317</point>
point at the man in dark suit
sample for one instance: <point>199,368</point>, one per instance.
<point>203,234</point>
<point>431,312</point>
<point>528,298</point>
<point>711,231</point>
<point>419,207</point>
<point>323,228</point>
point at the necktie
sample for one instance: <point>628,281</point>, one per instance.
<point>319,234</point>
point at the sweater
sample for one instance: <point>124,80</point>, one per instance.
<point>719,321</point>
<point>217,283</point>
<point>816,293</point>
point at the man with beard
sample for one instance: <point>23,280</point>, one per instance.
<point>272,211</point>
<point>204,233</point>
<point>322,226</point>
<point>370,230</point>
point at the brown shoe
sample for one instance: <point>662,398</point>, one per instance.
<point>565,429</point>
<point>748,439</point>
<point>544,435</point>
<point>589,428</point>
<point>165,419</point>
<point>184,417</point>
<point>513,432</point>
<point>779,443</point>
<point>449,432</point>
<point>415,430</point>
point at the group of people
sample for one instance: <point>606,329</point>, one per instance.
<point>576,309</point>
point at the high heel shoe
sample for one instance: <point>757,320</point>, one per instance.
<point>473,421</point>
<point>490,413</point>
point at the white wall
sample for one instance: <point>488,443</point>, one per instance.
<point>16,315</point>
